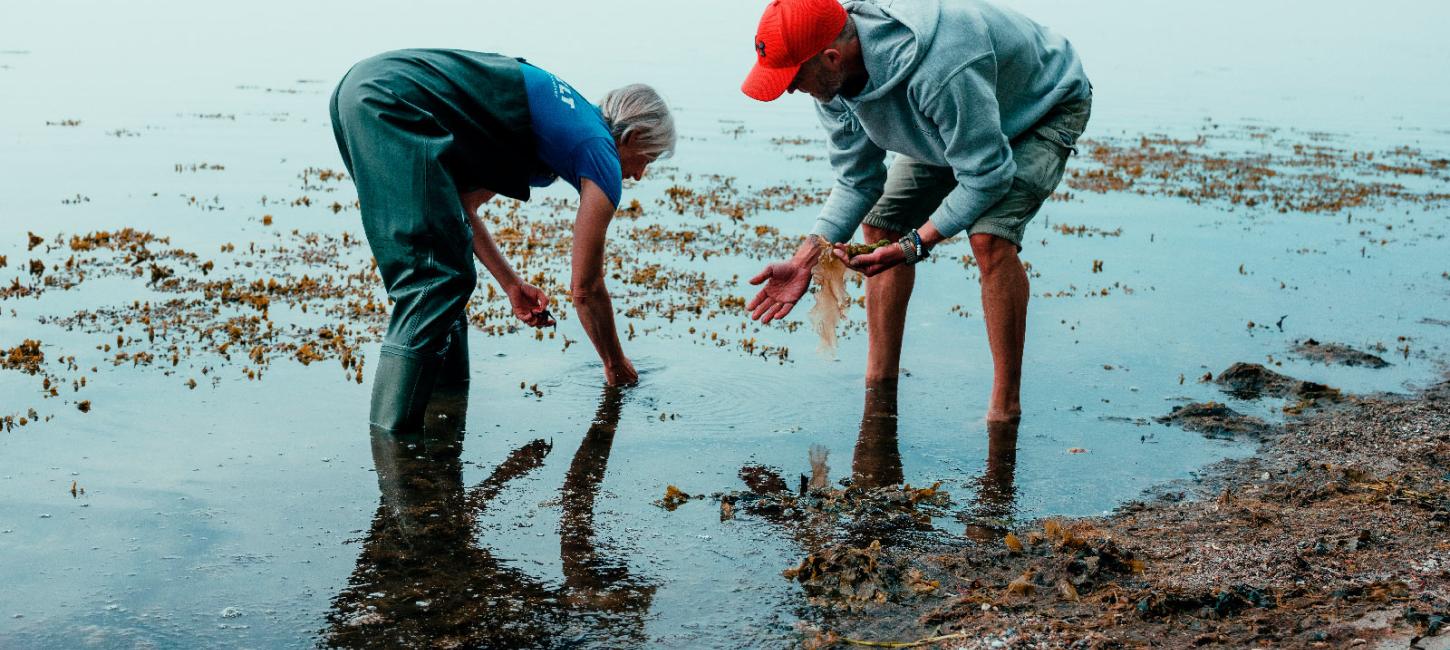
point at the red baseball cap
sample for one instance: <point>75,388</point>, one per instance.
<point>790,33</point>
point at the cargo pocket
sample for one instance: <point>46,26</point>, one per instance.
<point>1040,163</point>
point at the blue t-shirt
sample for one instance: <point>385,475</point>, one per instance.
<point>570,135</point>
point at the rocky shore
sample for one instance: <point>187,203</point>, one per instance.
<point>1335,535</point>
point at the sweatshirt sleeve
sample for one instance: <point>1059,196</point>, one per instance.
<point>860,173</point>
<point>968,120</point>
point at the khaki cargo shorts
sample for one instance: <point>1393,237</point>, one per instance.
<point>914,189</point>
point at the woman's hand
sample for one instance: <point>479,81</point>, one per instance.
<point>531,304</point>
<point>621,373</point>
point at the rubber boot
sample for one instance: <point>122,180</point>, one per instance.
<point>453,359</point>
<point>401,390</point>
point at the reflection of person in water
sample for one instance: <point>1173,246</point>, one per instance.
<point>877,461</point>
<point>875,464</point>
<point>423,578</point>
<point>594,581</point>
<point>996,489</point>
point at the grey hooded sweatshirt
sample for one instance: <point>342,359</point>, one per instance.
<point>952,83</point>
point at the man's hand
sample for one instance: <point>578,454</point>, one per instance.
<point>874,262</point>
<point>531,304</point>
<point>621,373</point>
<point>785,283</point>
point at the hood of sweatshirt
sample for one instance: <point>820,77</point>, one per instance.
<point>895,35</point>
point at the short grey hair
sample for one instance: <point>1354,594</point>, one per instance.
<point>638,109</point>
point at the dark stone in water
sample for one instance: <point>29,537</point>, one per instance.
<point>1252,381</point>
<point>1337,353</point>
<point>1214,420</point>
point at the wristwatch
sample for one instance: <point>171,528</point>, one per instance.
<point>912,247</point>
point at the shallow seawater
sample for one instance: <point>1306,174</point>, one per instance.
<point>263,513</point>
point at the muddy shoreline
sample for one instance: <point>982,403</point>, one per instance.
<point>1335,535</point>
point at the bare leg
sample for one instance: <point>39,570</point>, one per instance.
<point>886,297</point>
<point>1005,290</point>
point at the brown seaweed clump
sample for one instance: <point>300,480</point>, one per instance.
<point>854,249</point>
<point>25,357</point>
<point>673,498</point>
<point>845,577</point>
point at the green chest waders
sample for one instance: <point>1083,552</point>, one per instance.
<point>416,128</point>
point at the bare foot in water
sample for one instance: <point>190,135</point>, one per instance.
<point>1005,404</point>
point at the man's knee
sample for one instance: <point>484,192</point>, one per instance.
<point>993,252</point>
<point>874,234</point>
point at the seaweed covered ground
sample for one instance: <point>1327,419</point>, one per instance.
<point>1333,536</point>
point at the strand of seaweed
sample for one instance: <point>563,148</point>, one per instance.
<point>832,300</point>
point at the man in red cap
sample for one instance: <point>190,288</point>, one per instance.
<point>981,106</point>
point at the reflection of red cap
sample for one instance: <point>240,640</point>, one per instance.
<point>790,33</point>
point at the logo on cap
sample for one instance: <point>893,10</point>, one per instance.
<point>760,47</point>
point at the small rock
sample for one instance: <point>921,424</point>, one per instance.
<point>1214,420</point>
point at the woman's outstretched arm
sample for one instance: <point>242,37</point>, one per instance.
<point>586,283</point>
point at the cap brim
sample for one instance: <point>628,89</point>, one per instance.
<point>767,84</point>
